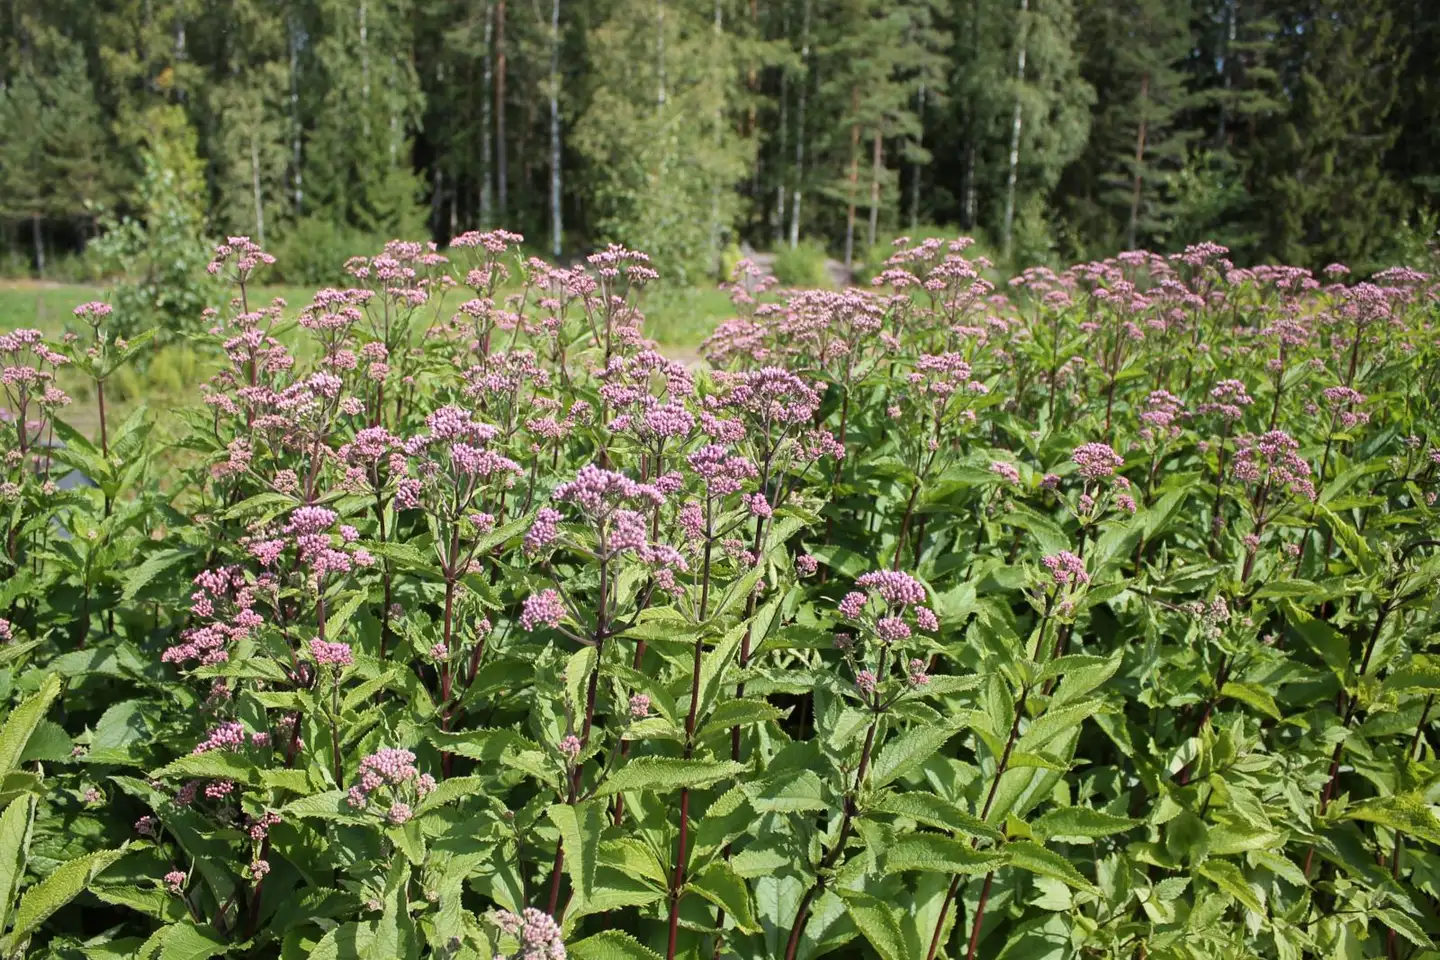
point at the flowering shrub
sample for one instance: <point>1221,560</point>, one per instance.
<point>1089,618</point>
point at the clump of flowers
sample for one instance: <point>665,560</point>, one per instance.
<point>390,773</point>
<point>537,931</point>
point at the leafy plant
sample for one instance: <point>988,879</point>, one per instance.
<point>925,622</point>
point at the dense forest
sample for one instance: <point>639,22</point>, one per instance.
<point>1302,131</point>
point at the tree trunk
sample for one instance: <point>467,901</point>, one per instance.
<point>1134,228</point>
<point>39,239</point>
<point>915,166</point>
<point>968,203</point>
<point>255,189</point>
<point>854,183</point>
<point>556,226</point>
<point>486,178</point>
<point>501,174</point>
<point>779,212</point>
<point>297,177</point>
<point>1016,121</point>
<point>876,161</point>
<point>800,127</point>
<point>717,262</point>
<point>364,72</point>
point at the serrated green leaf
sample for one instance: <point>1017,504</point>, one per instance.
<point>580,826</point>
<point>1080,822</point>
<point>1231,880</point>
<point>1056,721</point>
<point>610,945</point>
<point>62,885</point>
<point>211,765</point>
<point>876,920</point>
<point>719,884</point>
<point>15,825</point>
<point>1047,863</point>
<point>738,713</point>
<point>645,774</point>
<point>185,941</point>
<point>1407,814</point>
<point>1252,695</point>
<point>903,754</point>
<point>938,854</point>
<point>23,720</point>
<point>932,811</point>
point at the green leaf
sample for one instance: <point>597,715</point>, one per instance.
<point>22,723</point>
<point>330,805</point>
<point>876,920</point>
<point>1356,550</point>
<point>667,773</point>
<point>15,825</point>
<point>723,887</point>
<point>1047,863</point>
<point>1406,813</point>
<point>577,677</point>
<point>580,826</point>
<point>1404,925</point>
<point>1253,696</point>
<point>448,791</point>
<point>1231,880</point>
<point>932,811</point>
<point>938,854</point>
<point>49,743</point>
<point>154,565</point>
<point>212,765</point>
<point>56,890</point>
<point>349,941</point>
<point>1080,822</point>
<point>1420,674</point>
<point>1081,674</point>
<point>739,713</point>
<point>903,754</point>
<point>1056,721</point>
<point>395,936</point>
<point>610,945</point>
<point>185,941</point>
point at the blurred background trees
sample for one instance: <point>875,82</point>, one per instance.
<point>1296,130</point>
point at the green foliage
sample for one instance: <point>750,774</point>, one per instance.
<point>803,265</point>
<point>159,255</point>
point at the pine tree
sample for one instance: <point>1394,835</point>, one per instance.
<point>1325,194</point>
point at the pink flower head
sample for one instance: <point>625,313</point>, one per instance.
<point>543,530</point>
<point>639,706</point>
<point>806,565</point>
<point>1066,569</point>
<point>570,746</point>
<point>1096,460</point>
<point>894,587</point>
<point>543,607</point>
<point>1006,472</point>
<point>331,653</point>
<point>175,880</point>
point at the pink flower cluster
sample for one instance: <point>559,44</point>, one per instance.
<point>393,768</point>
<point>1271,462</point>
<point>1066,569</point>
<point>538,933</point>
<point>331,653</point>
<point>1096,460</point>
<point>544,607</point>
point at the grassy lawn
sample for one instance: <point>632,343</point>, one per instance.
<point>677,318</point>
